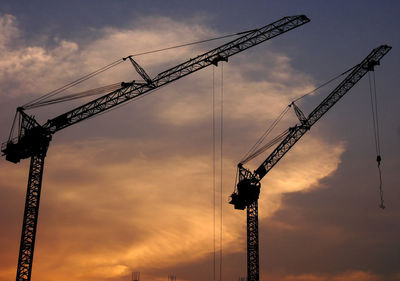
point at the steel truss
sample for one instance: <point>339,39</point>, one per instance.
<point>31,212</point>
<point>212,57</point>
<point>253,273</point>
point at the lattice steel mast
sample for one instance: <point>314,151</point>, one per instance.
<point>248,187</point>
<point>33,139</point>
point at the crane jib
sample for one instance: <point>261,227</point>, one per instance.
<point>296,132</point>
<point>211,57</point>
<point>129,91</point>
<point>358,72</point>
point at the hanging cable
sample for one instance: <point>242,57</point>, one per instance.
<point>374,111</point>
<point>221,161</point>
<point>214,175</point>
<point>375,122</point>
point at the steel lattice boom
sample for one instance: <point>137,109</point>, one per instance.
<point>299,130</point>
<point>33,139</point>
<point>133,90</point>
<point>248,188</point>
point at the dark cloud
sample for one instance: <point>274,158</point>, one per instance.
<point>334,229</point>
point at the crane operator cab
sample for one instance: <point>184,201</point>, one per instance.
<point>248,191</point>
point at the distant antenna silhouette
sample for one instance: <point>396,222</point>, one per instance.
<point>135,276</point>
<point>171,277</point>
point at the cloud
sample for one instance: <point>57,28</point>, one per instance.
<point>35,70</point>
<point>126,212</point>
<point>295,174</point>
<point>9,31</point>
<point>350,276</point>
<point>26,68</point>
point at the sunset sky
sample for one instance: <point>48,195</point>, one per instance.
<point>132,189</point>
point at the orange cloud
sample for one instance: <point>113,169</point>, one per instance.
<point>101,217</point>
<point>348,276</point>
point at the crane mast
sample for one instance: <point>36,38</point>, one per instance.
<point>33,139</point>
<point>248,188</point>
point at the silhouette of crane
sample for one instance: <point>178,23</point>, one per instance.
<point>33,138</point>
<point>247,191</point>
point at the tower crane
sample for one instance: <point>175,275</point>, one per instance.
<point>33,138</point>
<point>247,191</point>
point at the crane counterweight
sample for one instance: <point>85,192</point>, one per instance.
<point>31,140</point>
<point>247,191</point>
